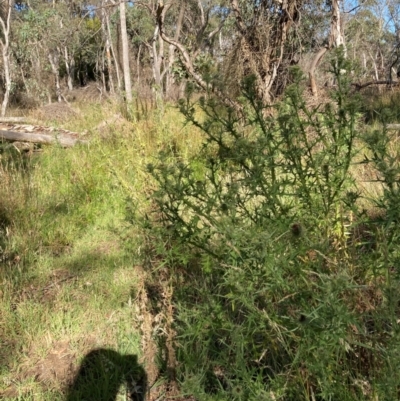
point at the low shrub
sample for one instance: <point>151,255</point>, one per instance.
<point>273,298</point>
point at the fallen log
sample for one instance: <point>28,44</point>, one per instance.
<point>16,120</point>
<point>385,82</point>
<point>66,141</point>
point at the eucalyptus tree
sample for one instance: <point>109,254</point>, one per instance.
<point>370,44</point>
<point>335,39</point>
<point>373,32</point>
<point>393,62</point>
<point>197,25</point>
<point>6,8</point>
<point>60,39</point>
<point>141,31</point>
<point>183,25</point>
<point>109,50</point>
<point>265,42</point>
<point>262,41</point>
<point>30,50</point>
<point>125,52</point>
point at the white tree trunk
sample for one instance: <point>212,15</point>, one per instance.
<point>373,60</point>
<point>108,49</point>
<point>70,67</point>
<point>54,61</point>
<point>7,77</point>
<point>157,56</point>
<point>109,39</point>
<point>138,64</point>
<point>364,64</point>
<point>337,38</point>
<point>125,53</point>
<point>109,67</point>
<point>5,47</point>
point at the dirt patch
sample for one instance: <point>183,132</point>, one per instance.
<point>58,279</point>
<point>107,248</point>
<point>54,371</point>
<point>91,92</point>
<point>10,392</point>
<point>48,292</point>
<point>57,368</point>
<point>56,111</point>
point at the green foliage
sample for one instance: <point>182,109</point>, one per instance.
<point>93,25</point>
<point>271,292</point>
<point>66,277</point>
<point>255,170</point>
<point>140,25</point>
<point>381,107</point>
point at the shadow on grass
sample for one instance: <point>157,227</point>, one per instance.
<point>101,375</point>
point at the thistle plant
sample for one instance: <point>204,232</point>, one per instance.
<point>257,169</point>
<point>266,298</point>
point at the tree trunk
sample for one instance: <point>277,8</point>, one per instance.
<point>317,59</point>
<point>54,60</point>
<point>373,60</point>
<point>138,64</point>
<point>364,64</point>
<point>70,67</point>
<point>7,76</point>
<point>115,58</point>
<point>107,47</point>
<point>5,45</point>
<point>336,39</point>
<point>156,56</point>
<point>169,81</point>
<point>109,67</point>
<point>103,70</point>
<point>125,53</point>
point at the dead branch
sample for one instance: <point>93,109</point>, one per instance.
<point>384,82</point>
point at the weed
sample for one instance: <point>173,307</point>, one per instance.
<point>273,301</point>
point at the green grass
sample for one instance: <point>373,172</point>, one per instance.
<point>68,257</point>
<point>381,105</point>
<point>277,314</point>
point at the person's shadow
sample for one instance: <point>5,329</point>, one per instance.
<point>101,375</point>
